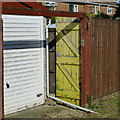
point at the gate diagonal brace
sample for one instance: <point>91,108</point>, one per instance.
<point>69,44</point>
<point>68,76</point>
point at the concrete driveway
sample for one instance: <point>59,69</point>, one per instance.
<point>49,110</point>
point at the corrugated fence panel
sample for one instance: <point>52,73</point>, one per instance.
<point>23,62</point>
<point>103,56</point>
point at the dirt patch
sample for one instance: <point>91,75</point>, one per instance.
<point>108,109</point>
<point>48,110</point>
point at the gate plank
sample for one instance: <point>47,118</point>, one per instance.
<point>69,43</point>
<point>68,76</point>
<point>68,59</point>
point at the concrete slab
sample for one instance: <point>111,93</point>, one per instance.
<point>48,110</point>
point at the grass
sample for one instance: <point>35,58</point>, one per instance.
<point>107,107</point>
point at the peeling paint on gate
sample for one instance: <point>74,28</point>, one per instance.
<point>68,59</point>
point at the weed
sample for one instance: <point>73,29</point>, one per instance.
<point>94,105</point>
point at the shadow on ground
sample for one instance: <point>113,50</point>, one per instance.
<point>52,110</point>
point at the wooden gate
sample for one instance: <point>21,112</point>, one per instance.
<point>68,59</point>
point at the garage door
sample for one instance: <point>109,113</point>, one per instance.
<point>23,62</point>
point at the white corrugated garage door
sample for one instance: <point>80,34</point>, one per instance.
<point>23,62</point>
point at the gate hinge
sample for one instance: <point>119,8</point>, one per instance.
<point>83,43</point>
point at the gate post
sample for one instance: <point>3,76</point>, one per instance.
<point>1,66</point>
<point>84,62</point>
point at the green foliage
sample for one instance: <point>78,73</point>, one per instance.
<point>93,105</point>
<point>117,13</point>
<point>118,103</point>
<point>99,15</point>
<point>53,20</point>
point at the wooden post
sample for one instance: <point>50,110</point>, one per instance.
<point>84,62</point>
<point>118,61</point>
<point>1,66</point>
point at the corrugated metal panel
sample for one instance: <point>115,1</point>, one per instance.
<point>23,62</point>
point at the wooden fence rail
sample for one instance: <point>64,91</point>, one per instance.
<point>104,42</point>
